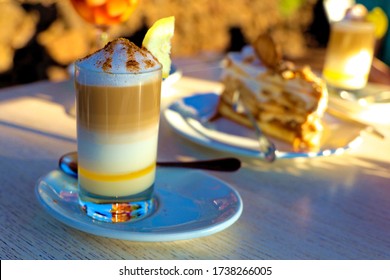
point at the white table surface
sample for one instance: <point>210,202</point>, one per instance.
<point>334,207</point>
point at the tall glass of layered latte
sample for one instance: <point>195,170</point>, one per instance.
<point>349,55</point>
<point>118,108</point>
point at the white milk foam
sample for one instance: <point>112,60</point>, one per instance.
<point>111,65</point>
<point>353,26</point>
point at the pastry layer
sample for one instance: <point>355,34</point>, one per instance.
<point>288,103</point>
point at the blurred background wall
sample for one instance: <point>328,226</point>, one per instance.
<point>40,38</point>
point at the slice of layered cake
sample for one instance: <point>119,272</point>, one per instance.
<point>288,102</point>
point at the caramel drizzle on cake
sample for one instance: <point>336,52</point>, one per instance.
<point>288,102</point>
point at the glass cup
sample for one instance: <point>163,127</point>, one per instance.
<point>117,136</point>
<point>103,14</point>
<point>349,55</point>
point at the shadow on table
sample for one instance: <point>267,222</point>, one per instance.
<point>61,93</point>
<point>322,167</point>
<point>38,132</point>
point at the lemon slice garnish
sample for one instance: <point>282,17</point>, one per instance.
<point>158,41</point>
<point>378,17</point>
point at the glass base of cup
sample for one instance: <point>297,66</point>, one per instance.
<point>344,93</point>
<point>129,209</point>
<point>119,212</point>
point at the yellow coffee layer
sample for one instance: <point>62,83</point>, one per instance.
<point>115,177</point>
<point>334,75</point>
<point>117,185</point>
<point>117,189</point>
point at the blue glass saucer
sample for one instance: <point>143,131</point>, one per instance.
<point>189,205</point>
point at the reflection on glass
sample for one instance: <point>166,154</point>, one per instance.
<point>103,14</point>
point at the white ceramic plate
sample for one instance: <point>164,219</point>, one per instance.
<point>186,116</point>
<point>189,205</point>
<point>369,105</point>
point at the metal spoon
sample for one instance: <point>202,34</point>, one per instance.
<point>69,162</point>
<point>265,145</point>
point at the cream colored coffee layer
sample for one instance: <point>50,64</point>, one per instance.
<point>117,153</point>
<point>343,43</point>
<point>118,165</point>
<point>118,109</point>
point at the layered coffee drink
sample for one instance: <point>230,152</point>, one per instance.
<point>349,54</point>
<point>118,108</point>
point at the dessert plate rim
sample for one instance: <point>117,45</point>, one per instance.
<point>190,205</point>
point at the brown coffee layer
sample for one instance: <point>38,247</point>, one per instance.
<point>118,109</point>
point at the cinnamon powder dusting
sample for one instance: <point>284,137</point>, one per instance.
<point>107,64</point>
<point>130,57</point>
<point>149,63</point>
<point>132,65</point>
